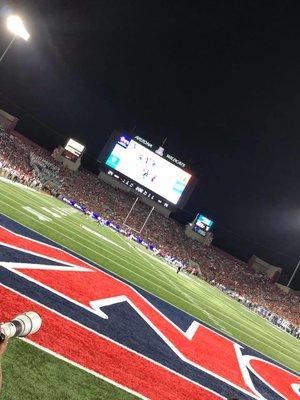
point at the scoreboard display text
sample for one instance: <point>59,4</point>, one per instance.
<point>148,172</point>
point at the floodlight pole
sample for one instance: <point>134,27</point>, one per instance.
<point>7,48</point>
<point>294,273</point>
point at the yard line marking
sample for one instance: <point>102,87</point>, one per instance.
<point>51,212</point>
<point>103,237</point>
<point>40,216</point>
<point>60,211</point>
<point>136,250</point>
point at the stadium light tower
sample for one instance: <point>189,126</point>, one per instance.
<point>16,26</point>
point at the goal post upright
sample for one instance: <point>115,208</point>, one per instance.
<point>130,211</point>
<point>146,220</point>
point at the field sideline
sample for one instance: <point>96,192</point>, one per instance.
<point>66,226</point>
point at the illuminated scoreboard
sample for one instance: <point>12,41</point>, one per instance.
<point>73,150</point>
<point>143,167</point>
<point>202,225</point>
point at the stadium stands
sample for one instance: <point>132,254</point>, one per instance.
<point>34,166</point>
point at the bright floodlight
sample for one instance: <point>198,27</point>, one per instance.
<point>16,26</point>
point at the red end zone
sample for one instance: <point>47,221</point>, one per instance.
<point>210,352</point>
<point>98,354</point>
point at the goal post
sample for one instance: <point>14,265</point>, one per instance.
<point>129,213</point>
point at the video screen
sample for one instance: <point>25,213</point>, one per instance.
<point>73,150</point>
<point>148,169</point>
<point>202,225</point>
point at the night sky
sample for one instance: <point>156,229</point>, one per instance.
<point>219,79</point>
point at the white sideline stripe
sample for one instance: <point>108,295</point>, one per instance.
<point>130,245</point>
<point>129,254</point>
<point>113,341</point>
<point>142,255</point>
<point>89,371</point>
<point>136,248</point>
<point>40,216</point>
<point>51,212</point>
<point>20,185</point>
<point>222,320</point>
<point>155,258</point>
<point>146,253</point>
<point>211,317</point>
<point>102,237</point>
<point>14,265</point>
<point>152,256</point>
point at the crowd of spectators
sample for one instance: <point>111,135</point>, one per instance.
<point>31,165</point>
<point>275,316</point>
<point>47,172</point>
<point>14,160</point>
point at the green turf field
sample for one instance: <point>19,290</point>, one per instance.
<point>69,227</point>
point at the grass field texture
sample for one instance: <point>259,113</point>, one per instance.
<point>63,224</point>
